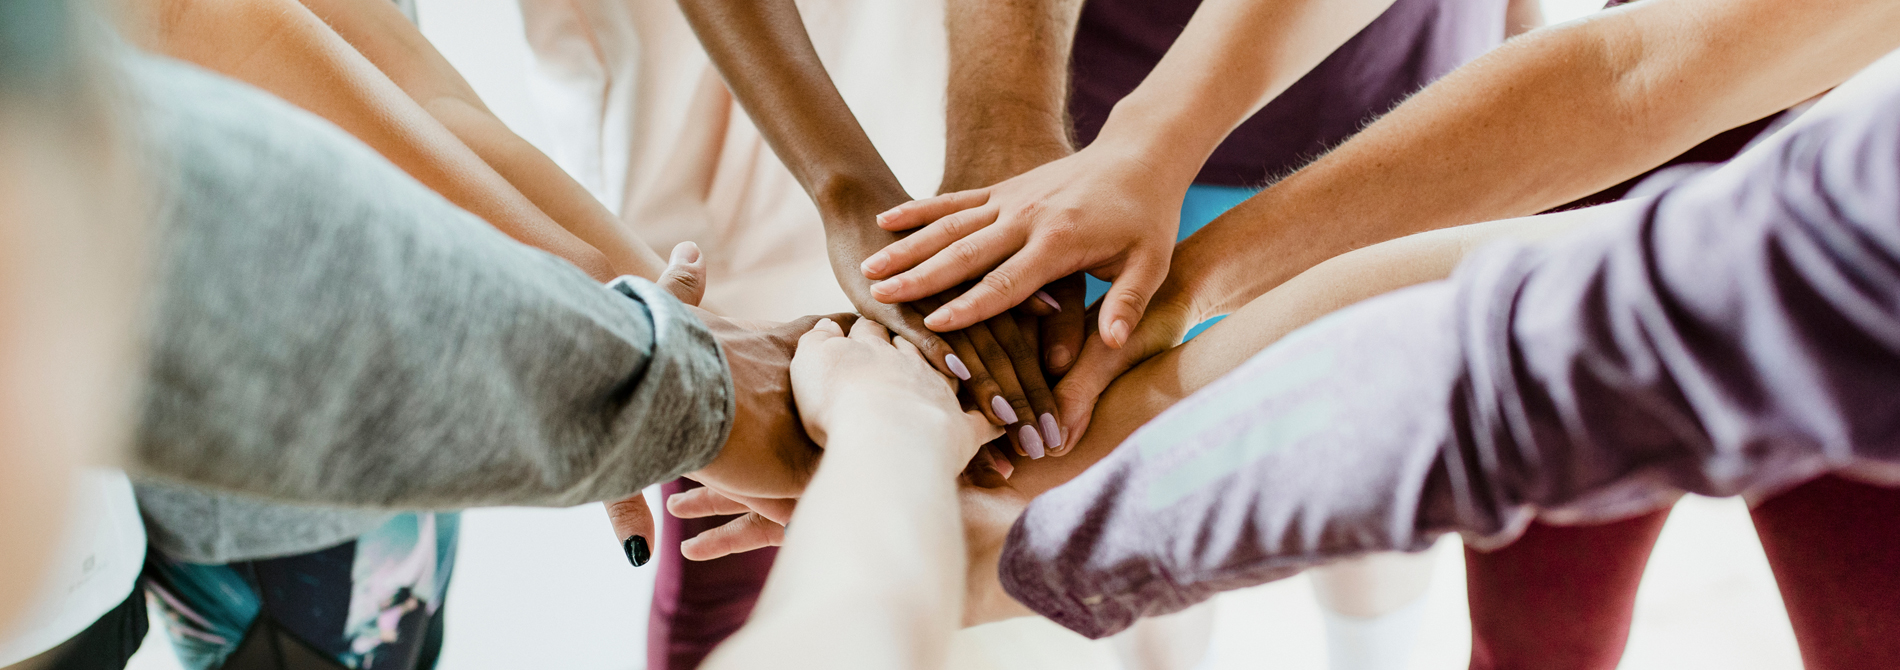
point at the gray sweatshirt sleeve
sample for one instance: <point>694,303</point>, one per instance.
<point>327,330</point>
<point>1739,337</point>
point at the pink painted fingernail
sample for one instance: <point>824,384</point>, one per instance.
<point>1031,442</point>
<point>1045,297</point>
<point>1002,409</point>
<point>956,367</point>
<point>873,265</point>
<point>1051,433</point>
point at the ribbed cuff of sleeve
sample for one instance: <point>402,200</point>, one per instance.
<point>684,399</point>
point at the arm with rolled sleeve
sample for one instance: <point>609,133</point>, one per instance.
<point>325,329</point>
<point>1739,336</point>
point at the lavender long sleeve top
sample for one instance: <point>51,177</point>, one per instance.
<point>1740,336</point>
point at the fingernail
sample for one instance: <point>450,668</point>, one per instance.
<point>1118,331</point>
<point>1045,297</point>
<point>1031,441</point>
<point>874,264</point>
<point>637,552</point>
<point>956,367</point>
<point>1058,356</point>
<point>1051,433</point>
<point>938,319</point>
<point>685,253</point>
<point>1002,409</point>
<point>885,288</point>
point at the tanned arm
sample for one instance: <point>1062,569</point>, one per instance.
<point>279,46</point>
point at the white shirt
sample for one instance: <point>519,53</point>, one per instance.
<point>95,570</point>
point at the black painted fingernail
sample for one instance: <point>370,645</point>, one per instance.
<point>637,552</point>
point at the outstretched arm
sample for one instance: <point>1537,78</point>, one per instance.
<point>1111,209</point>
<point>281,47</point>
<point>1721,339</point>
<point>1549,117</point>
<point>894,439</point>
<point>767,59</point>
<point>379,31</point>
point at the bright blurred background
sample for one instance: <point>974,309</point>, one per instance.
<point>550,589</point>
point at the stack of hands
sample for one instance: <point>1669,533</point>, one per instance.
<point>987,289</point>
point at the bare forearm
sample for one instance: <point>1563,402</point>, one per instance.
<point>871,572</point>
<point>767,59</point>
<point>1007,100</point>
<point>376,29</point>
<point>1151,388</point>
<point>279,46</point>
<point>1547,118</point>
<point>1232,59</point>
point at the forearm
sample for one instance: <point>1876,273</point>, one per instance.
<point>1233,58</point>
<point>871,573</point>
<point>377,30</point>
<point>279,46</point>
<point>767,59</point>
<point>1007,99</point>
<point>1151,388</point>
<point>1547,118</point>
<point>328,331</point>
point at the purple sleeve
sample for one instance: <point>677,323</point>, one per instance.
<point>1738,337</point>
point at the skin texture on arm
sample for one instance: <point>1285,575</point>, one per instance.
<point>1111,209</point>
<point>1157,384</point>
<point>279,46</point>
<point>1548,117</point>
<point>379,31</point>
<point>894,439</point>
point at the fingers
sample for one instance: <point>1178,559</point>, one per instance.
<point>633,526</point>
<point>961,261</point>
<point>703,502</point>
<point>909,324</point>
<point>1040,303</point>
<point>1011,408</point>
<point>1099,365</point>
<point>743,534</point>
<point>825,329</point>
<point>906,253</point>
<point>685,275</point>
<point>919,212</point>
<point>870,332</point>
<point>1040,432</point>
<point>1062,332</point>
<point>1128,298</point>
<point>1011,283</point>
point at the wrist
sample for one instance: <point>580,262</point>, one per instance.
<point>849,202</point>
<point>1171,142</point>
<point>873,422</point>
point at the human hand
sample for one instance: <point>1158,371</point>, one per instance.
<point>1103,210</point>
<point>839,381</point>
<point>767,454</point>
<point>997,361</point>
<point>1168,320</point>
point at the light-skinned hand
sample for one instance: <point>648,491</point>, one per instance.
<point>1102,210</point>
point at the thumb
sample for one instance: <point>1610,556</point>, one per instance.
<point>1122,307</point>
<point>633,525</point>
<point>685,275</point>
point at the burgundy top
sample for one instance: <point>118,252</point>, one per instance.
<point>1413,43</point>
<point>1739,335</point>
